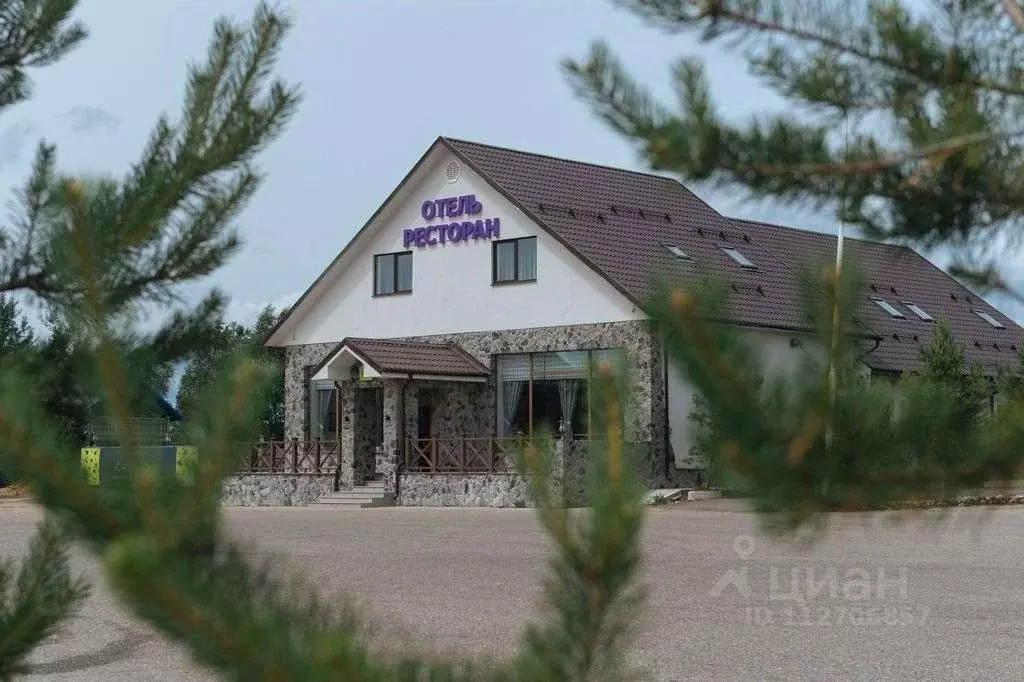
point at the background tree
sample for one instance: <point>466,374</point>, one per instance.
<point>16,335</point>
<point>944,360</point>
<point>231,338</point>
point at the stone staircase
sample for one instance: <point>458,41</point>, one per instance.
<point>370,494</point>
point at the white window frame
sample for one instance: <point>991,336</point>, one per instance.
<point>989,318</point>
<point>738,257</point>
<point>888,307</point>
<point>919,311</point>
<point>677,252</point>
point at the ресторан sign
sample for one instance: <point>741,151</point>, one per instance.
<point>458,231</point>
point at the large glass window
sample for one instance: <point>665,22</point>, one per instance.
<point>392,273</point>
<point>548,392</point>
<point>323,417</point>
<point>515,260</point>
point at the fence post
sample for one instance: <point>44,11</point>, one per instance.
<point>295,455</point>
<point>316,457</point>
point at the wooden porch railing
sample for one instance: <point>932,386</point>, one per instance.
<point>462,455</point>
<point>289,457</point>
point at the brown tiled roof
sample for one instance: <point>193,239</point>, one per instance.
<point>404,357</point>
<point>619,222</point>
<point>898,274</point>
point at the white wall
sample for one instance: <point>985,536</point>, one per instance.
<point>776,353</point>
<point>452,290</point>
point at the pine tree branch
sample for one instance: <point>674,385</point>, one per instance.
<point>1015,12</point>
<point>875,165</point>
<point>715,13</point>
<point>44,595</point>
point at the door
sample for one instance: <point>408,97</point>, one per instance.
<point>423,422</point>
<point>423,434</point>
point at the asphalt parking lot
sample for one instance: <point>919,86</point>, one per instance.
<point>927,598</point>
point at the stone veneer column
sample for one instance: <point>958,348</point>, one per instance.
<point>393,416</point>
<point>412,402</point>
<point>347,398</point>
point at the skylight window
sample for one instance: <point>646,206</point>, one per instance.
<point>738,257</point>
<point>887,307</point>
<point>919,311</point>
<point>988,318</point>
<point>678,252</point>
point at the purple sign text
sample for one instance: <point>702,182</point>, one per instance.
<point>456,231</point>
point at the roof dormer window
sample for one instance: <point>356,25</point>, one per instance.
<point>919,311</point>
<point>990,319</point>
<point>887,307</point>
<point>678,252</point>
<point>738,257</point>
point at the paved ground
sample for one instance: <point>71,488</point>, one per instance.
<point>468,579</point>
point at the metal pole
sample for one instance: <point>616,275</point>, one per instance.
<point>835,310</point>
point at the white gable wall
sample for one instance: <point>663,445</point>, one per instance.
<point>452,290</point>
<point>777,355</point>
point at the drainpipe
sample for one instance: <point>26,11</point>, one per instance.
<point>667,430</point>
<point>878,342</point>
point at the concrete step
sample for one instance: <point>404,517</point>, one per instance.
<point>353,502</point>
<point>371,495</point>
<point>350,496</point>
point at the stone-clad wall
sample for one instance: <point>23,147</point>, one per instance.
<point>296,388</point>
<point>274,490</point>
<point>642,359</point>
<point>464,490</point>
<point>646,417</point>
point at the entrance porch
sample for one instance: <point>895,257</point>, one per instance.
<point>391,396</point>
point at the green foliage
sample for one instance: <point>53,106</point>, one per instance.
<point>931,97</point>
<point>231,337</point>
<point>35,600</point>
<point>16,336</point>
<point>591,595</point>
<point>944,361</point>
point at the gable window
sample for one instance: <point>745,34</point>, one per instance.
<point>392,273</point>
<point>989,318</point>
<point>515,260</point>
<point>887,307</point>
<point>919,311</point>
<point>678,252</point>
<point>738,257</point>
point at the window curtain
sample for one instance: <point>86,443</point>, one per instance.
<point>513,375</point>
<point>528,258</point>
<point>324,396</point>
<point>385,274</point>
<point>512,392</point>
<point>568,390</point>
<point>404,272</point>
<point>505,261</point>
<point>323,392</point>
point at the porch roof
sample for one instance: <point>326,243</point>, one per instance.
<point>400,359</point>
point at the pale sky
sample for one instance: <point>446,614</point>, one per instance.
<point>382,79</point>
